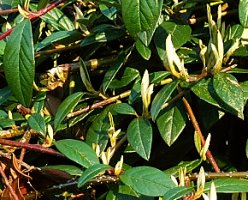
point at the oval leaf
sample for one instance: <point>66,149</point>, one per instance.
<point>78,152</point>
<point>229,185</point>
<point>139,136</point>
<point>243,12</point>
<point>140,15</point>
<point>148,181</point>
<point>65,107</point>
<point>171,123</point>
<point>91,172</point>
<point>229,93</point>
<point>19,62</point>
<point>161,98</point>
<point>37,122</point>
<point>177,193</point>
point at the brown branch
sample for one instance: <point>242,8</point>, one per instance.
<point>8,11</point>
<point>99,104</point>
<point>31,147</point>
<point>6,181</point>
<point>34,15</point>
<point>213,175</point>
<point>199,132</point>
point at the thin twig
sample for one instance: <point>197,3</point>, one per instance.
<point>99,104</point>
<point>6,181</point>
<point>213,175</point>
<point>199,132</point>
<point>32,147</point>
<point>8,11</point>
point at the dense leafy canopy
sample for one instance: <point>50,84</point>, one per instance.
<point>123,99</point>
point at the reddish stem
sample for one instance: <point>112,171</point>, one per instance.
<point>34,15</point>
<point>199,132</point>
<point>32,147</point>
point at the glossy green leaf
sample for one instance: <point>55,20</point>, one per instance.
<point>141,17</point>
<point>205,91</point>
<point>85,77</point>
<point>5,93</point>
<point>91,172</point>
<point>229,185</point>
<point>123,108</point>
<point>188,165</point>
<point>111,73</point>
<point>135,92</point>
<point>66,107</point>
<point>161,98</point>
<point>77,151</point>
<point>98,130</point>
<point>177,193</point>
<point>236,31</point>
<point>180,34</point>
<point>19,62</point>
<point>139,136</point>
<point>109,12</point>
<point>229,92</point>
<point>157,77</point>
<point>58,20</point>
<point>129,75</point>
<point>171,123</point>
<point>70,169</point>
<point>143,50</point>
<point>37,122</point>
<point>148,181</point>
<point>243,12</point>
<point>244,86</point>
<point>104,33</point>
<point>55,37</point>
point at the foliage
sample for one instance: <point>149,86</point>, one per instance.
<point>114,99</point>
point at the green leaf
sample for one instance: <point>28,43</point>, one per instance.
<point>171,123</point>
<point>143,50</point>
<point>37,122</point>
<point>188,165</point>
<point>91,172</point>
<point>161,98</point>
<point>5,93</point>
<point>148,181</point>
<point>123,108</point>
<point>157,77</point>
<point>58,20</point>
<point>177,193</point>
<point>205,91</point>
<point>70,169</point>
<point>180,34</point>
<point>98,131</point>
<point>244,86</point>
<point>129,75</point>
<point>55,37</point>
<point>229,92</point>
<point>111,73</point>
<point>77,151</point>
<point>19,62</point>
<point>110,13</point>
<point>139,136</point>
<point>103,33</point>
<point>141,17</point>
<point>236,31</point>
<point>229,185</point>
<point>243,12</point>
<point>66,107</point>
<point>85,77</point>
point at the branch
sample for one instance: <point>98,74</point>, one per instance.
<point>199,132</point>
<point>35,15</point>
<point>32,147</point>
